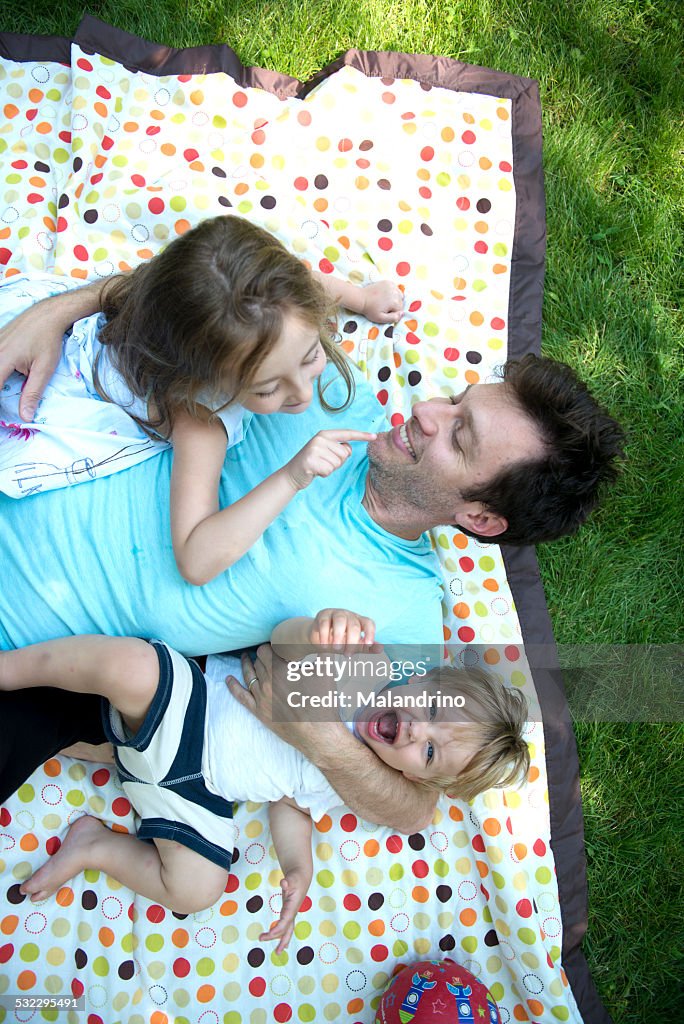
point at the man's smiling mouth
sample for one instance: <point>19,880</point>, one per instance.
<point>403,434</point>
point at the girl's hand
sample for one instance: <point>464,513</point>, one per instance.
<point>323,454</point>
<point>294,886</point>
<point>343,630</point>
<point>383,302</point>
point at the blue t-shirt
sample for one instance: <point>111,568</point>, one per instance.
<point>97,558</point>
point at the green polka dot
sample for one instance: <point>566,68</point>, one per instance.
<point>481,609</point>
<point>421,920</point>
<point>26,793</point>
<point>331,253</point>
<point>431,329</point>
<point>499,880</point>
<point>253,881</point>
<point>530,960</point>
<point>120,161</point>
<point>500,249</point>
<point>178,203</point>
<point>479,285</point>
<point>75,797</point>
<point>396,872</point>
<point>218,121</point>
<point>101,967</point>
<point>493,964</point>
<point>555,953</point>
<point>443,541</point>
<point>325,879</point>
<point>400,948</point>
<point>279,959</point>
<point>443,178</point>
<point>302,929</point>
<point>307,1012</point>
<point>23,232</point>
<point>53,94</point>
<point>306,985</point>
<point>441,868</point>
<point>13,179</point>
<point>405,227</point>
<point>29,952</point>
<point>486,563</point>
<point>154,942</point>
<point>205,966</point>
<point>352,930</point>
<point>450,372</point>
<point>469,943</point>
<point>374,876</point>
<point>560,1012</point>
<point>233,1017</point>
<point>556,988</point>
<point>486,914</point>
<point>527,936</point>
<point>497,991</point>
<point>543,875</point>
<point>245,206</point>
<point>518,679</point>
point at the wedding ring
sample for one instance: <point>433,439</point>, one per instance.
<point>251,683</point>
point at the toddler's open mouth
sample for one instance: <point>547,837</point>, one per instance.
<point>383,727</point>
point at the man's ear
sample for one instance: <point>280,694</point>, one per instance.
<point>483,522</point>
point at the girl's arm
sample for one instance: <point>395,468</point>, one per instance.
<point>32,342</point>
<point>291,831</point>
<point>206,540</point>
<point>381,302</point>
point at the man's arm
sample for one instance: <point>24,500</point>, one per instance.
<point>32,342</point>
<point>366,785</point>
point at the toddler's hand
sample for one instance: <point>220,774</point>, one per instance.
<point>294,886</point>
<point>342,629</point>
<point>383,302</point>
<point>323,454</point>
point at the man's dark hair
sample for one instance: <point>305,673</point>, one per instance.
<point>546,498</point>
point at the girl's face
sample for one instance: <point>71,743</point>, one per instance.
<point>284,382</point>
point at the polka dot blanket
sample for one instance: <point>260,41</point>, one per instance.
<point>416,169</point>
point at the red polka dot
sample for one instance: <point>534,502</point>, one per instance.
<point>524,908</point>
<point>156,205</point>
<point>509,825</point>
<point>427,153</point>
<point>107,142</point>
<point>232,884</point>
<point>19,164</point>
<point>94,1018</point>
<point>101,777</point>
<point>505,166</point>
<point>466,564</point>
<point>239,99</point>
<point>539,847</point>
<point>181,967</point>
<point>77,988</point>
<point>155,913</point>
<point>258,137</point>
<point>184,78</point>
<point>33,198</point>
<point>306,905</point>
<point>348,822</point>
<point>104,93</point>
<point>190,154</point>
<point>84,64</point>
<point>415,306</point>
<point>61,224</point>
<point>498,324</point>
<point>425,192</point>
<point>351,902</point>
<point>451,354</point>
<point>52,845</point>
<point>301,184</point>
<point>30,114</point>
<point>379,953</point>
<point>344,145</point>
<point>121,807</point>
<point>5,817</point>
<point>6,953</point>
<point>512,653</point>
<point>154,129</point>
<point>385,244</point>
<point>5,256</point>
<point>81,253</point>
<point>66,137</point>
<point>412,338</point>
<point>396,419</point>
<point>282,1013</point>
<point>394,844</point>
<point>382,397</point>
<point>485,892</point>
<point>466,635</point>
<point>95,178</point>
<point>463,203</point>
<point>481,247</point>
<point>468,138</point>
<point>138,180</point>
<point>325,266</point>
<point>257,986</point>
<point>403,269</point>
<point>420,868</point>
<point>478,844</point>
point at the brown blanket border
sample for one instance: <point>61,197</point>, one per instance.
<point>526,289</point>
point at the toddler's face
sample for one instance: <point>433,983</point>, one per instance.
<point>421,743</point>
<point>284,381</point>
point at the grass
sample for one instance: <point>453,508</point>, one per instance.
<point>612,87</point>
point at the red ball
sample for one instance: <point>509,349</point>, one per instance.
<point>436,990</point>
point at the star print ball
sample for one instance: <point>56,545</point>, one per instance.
<point>436,992</point>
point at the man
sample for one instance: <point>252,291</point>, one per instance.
<point>519,461</point>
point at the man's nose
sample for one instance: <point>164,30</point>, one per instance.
<point>430,414</point>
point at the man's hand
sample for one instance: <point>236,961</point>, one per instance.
<point>343,630</point>
<point>322,455</point>
<point>31,344</point>
<point>294,886</point>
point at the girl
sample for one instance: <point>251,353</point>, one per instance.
<point>222,324</point>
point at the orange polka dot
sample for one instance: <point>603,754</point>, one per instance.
<point>519,1012</point>
<point>8,924</point>
<point>325,824</point>
<point>502,113</point>
<point>168,149</point>
<point>481,226</point>
<point>228,907</point>
<point>52,767</point>
<point>196,165</point>
<point>79,191</point>
<point>456,814</point>
<point>81,275</point>
<point>420,894</point>
<point>44,128</point>
<point>461,610</point>
<point>485,163</point>
<point>12,272</point>
<point>476,318</point>
<point>533,774</point>
<point>26,980</point>
<point>361,182</point>
<point>5,232</point>
<point>10,110</point>
<point>145,254</point>
<point>377,927</point>
<point>482,868</point>
<point>157,115</point>
<point>256,160</point>
<point>241,188</point>
<point>321,205</point>
<point>491,585</point>
<point>205,993</point>
<point>491,826</point>
<point>180,938</point>
<point>411,325</point>
<point>460,541</point>
<point>28,842</point>
<point>423,174</point>
<point>181,226</point>
<point>100,109</point>
<point>371,847</point>
<point>117,827</point>
<point>130,126</point>
<point>467,917</point>
<point>37,182</point>
<point>100,160</point>
<point>197,97</point>
<point>491,656</point>
<point>159,1018</point>
<point>344,242</point>
<point>499,268</point>
<point>35,95</point>
<point>373,333</point>
<point>472,376</point>
<point>355,1006</point>
<point>388,97</point>
<point>397,359</point>
<point>536,1007</point>
<point>448,134</point>
<point>347,346</point>
<point>106,936</point>
<point>469,119</point>
<point>124,267</point>
<point>65,896</point>
<point>520,850</point>
<point>459,283</point>
<point>564,977</point>
<point>447,633</point>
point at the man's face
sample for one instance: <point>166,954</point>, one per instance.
<point>448,447</point>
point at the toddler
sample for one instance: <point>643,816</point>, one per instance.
<point>221,324</point>
<point>186,749</point>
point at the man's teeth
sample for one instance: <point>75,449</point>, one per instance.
<point>403,434</point>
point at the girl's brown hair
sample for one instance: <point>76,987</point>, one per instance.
<point>212,303</point>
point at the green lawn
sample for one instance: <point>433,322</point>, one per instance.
<point>612,85</point>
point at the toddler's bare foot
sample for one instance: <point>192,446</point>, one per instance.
<point>73,856</point>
